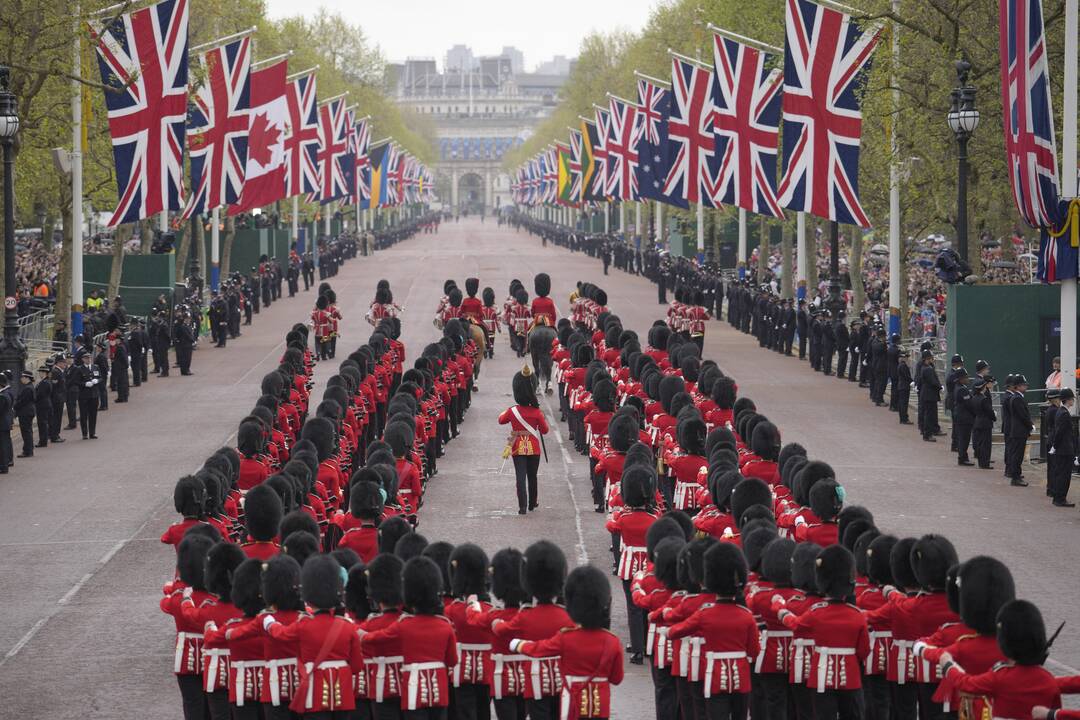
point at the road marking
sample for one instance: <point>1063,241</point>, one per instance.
<point>257,365</point>
<point>583,554</point>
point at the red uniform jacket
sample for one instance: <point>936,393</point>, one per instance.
<point>911,618</point>
<point>591,661</point>
<point>730,642</point>
<point>362,540</point>
<point>429,649</point>
<point>841,641</point>
<point>187,658</point>
<point>536,622</point>
<point>175,532</point>
<point>215,670</point>
<point>523,442</point>
<point>632,525</point>
<point>382,660</point>
<point>474,646</point>
<point>509,672</point>
<point>1013,690</point>
<point>328,651</point>
<point>544,306</point>
<point>976,654</point>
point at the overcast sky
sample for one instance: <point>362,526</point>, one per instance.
<point>428,28</point>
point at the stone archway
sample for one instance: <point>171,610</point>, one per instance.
<point>471,193</point>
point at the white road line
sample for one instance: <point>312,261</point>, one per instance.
<point>583,553</point>
<point>253,368</point>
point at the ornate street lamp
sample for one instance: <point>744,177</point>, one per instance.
<point>963,118</point>
<point>12,349</point>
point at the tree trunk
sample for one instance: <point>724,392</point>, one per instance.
<point>787,282</point>
<point>763,250</point>
<point>227,238</point>
<point>146,236</point>
<point>855,253</point>
<point>183,245</point>
<point>120,238</point>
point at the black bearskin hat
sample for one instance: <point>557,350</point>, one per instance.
<point>722,486</point>
<point>489,297</point>
<point>249,438</point>
<point>588,598</point>
<point>666,561</point>
<point>664,527</point>
<point>725,570</point>
<point>191,560</point>
<point>879,560</point>
<point>690,364</point>
<point>365,500</point>
<point>247,587</point>
<point>985,585</point>
<point>691,434</point>
<point>356,597</point>
<point>719,437</point>
<point>221,562</point>
<point>804,566</point>
<point>383,575</point>
<point>813,472</point>
<point>750,491</point>
<point>639,454</point>
<point>754,543</point>
<point>321,302</point>
<point>741,405</point>
<point>723,392</point>
<point>851,534</point>
<point>347,559</point>
<point>835,572</point>
<point>298,521</point>
<point>301,546</point>
<point>472,286</point>
<point>506,568</point>
<point>189,497</point>
<point>545,571</point>
<point>421,583</point>
<point>390,531</point>
<point>542,284</point>
<point>791,469</point>
<point>931,558</point>
<point>281,583</point>
<point>400,438</point>
<point>331,296</point>
<point>622,432</point>
<point>861,550</point>
<point>658,337</point>
<point>262,513</point>
<point>604,395</point>
<point>1021,633</point>
<point>410,545</point>
<point>776,562</point>
<point>282,485</point>
<point>320,578</point>
<point>638,485</point>
<point>825,499</point>
<point>524,389</point>
<point>765,441</point>
<point>321,432</point>
<point>900,564</point>
<point>439,553</point>
<point>670,385</point>
<point>849,515</point>
<point>468,570</point>
<point>454,297</point>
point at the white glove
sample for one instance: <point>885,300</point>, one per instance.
<point>187,593</point>
<point>515,644</point>
<point>1051,451</point>
<point>800,520</point>
<point>268,620</point>
<point>89,383</point>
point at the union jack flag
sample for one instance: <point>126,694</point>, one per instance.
<point>551,175</point>
<point>825,57</point>
<point>218,127</point>
<point>600,153</point>
<point>624,132</point>
<point>361,145</point>
<point>534,180</point>
<point>576,150</point>
<point>335,162</point>
<point>302,138</point>
<point>655,153</point>
<point>746,122</point>
<point>690,131</point>
<point>143,58</point>
<point>393,176</point>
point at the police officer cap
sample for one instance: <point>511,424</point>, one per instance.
<point>981,365</point>
<point>1067,394</point>
<point>1020,379</point>
<point>927,354</point>
<point>978,384</point>
<point>1053,394</point>
<point>27,374</point>
<point>957,359</point>
<point>961,373</point>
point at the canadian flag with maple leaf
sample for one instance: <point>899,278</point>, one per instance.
<point>264,182</point>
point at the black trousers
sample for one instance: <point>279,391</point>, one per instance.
<point>250,711</point>
<point>843,704</point>
<point>980,445</point>
<point>928,417</point>
<point>510,708</point>
<point>219,705</point>
<point>853,367</point>
<point>387,710</point>
<point>1058,475</point>
<point>278,712</point>
<point>802,346</point>
<point>777,691</point>
<point>546,708</point>
<point>635,617</point>
<point>664,694</point>
<point>903,400</point>
<point>727,706</point>
<point>88,409</point>
<point>57,421</point>
<point>44,420</point>
<point>962,433</point>
<point>876,697</point>
<point>928,709</point>
<point>841,363</point>
<point>73,410</point>
<point>525,467</point>
<point>191,696</point>
<point>183,358</point>
<point>905,699</point>
<point>26,430</point>
<point>120,377</point>
<point>471,702</point>
<point>1014,456</point>
<point>425,714</point>
<point>103,395</point>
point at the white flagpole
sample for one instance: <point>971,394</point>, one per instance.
<point>637,222</point>
<point>895,290</point>
<point>660,225</point>
<point>295,218</point>
<point>622,221</point>
<point>700,228</point>
<point>803,260</point>
<point>742,236</point>
<point>76,185</point>
<point>1069,191</point>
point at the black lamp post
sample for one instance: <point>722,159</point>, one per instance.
<point>12,349</point>
<point>963,118</point>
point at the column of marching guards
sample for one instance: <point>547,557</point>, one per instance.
<point>298,594</point>
<point>752,586</point>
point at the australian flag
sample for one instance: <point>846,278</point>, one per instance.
<point>655,153</point>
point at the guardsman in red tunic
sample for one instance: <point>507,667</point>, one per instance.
<point>596,423</point>
<point>383,658</point>
<point>826,501</point>
<point>262,518</point>
<point>509,675</point>
<point>772,663</point>
<point>765,442</point>
<point>696,317</point>
<point>690,466</point>
<point>321,323</point>
<point>189,499</point>
<point>1017,687</point>
<point>729,632</point>
<point>724,392</point>
<point>981,586</point>
<point>366,508</point>
<point>335,320</point>
<point>622,433</point>
<point>191,555</point>
<point>221,563</point>
<point>632,525</point>
<point>542,304</point>
<point>489,320</point>
<point>590,657</point>
<point>520,317</point>
<point>543,578</point>
<point>327,645</point>
<point>875,557</point>
<point>841,639</point>
<point>652,596</point>
<point>471,306</point>
<point>249,443</point>
<point>246,658</point>
<point>426,638</point>
<point>472,676</point>
<point>527,428</point>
